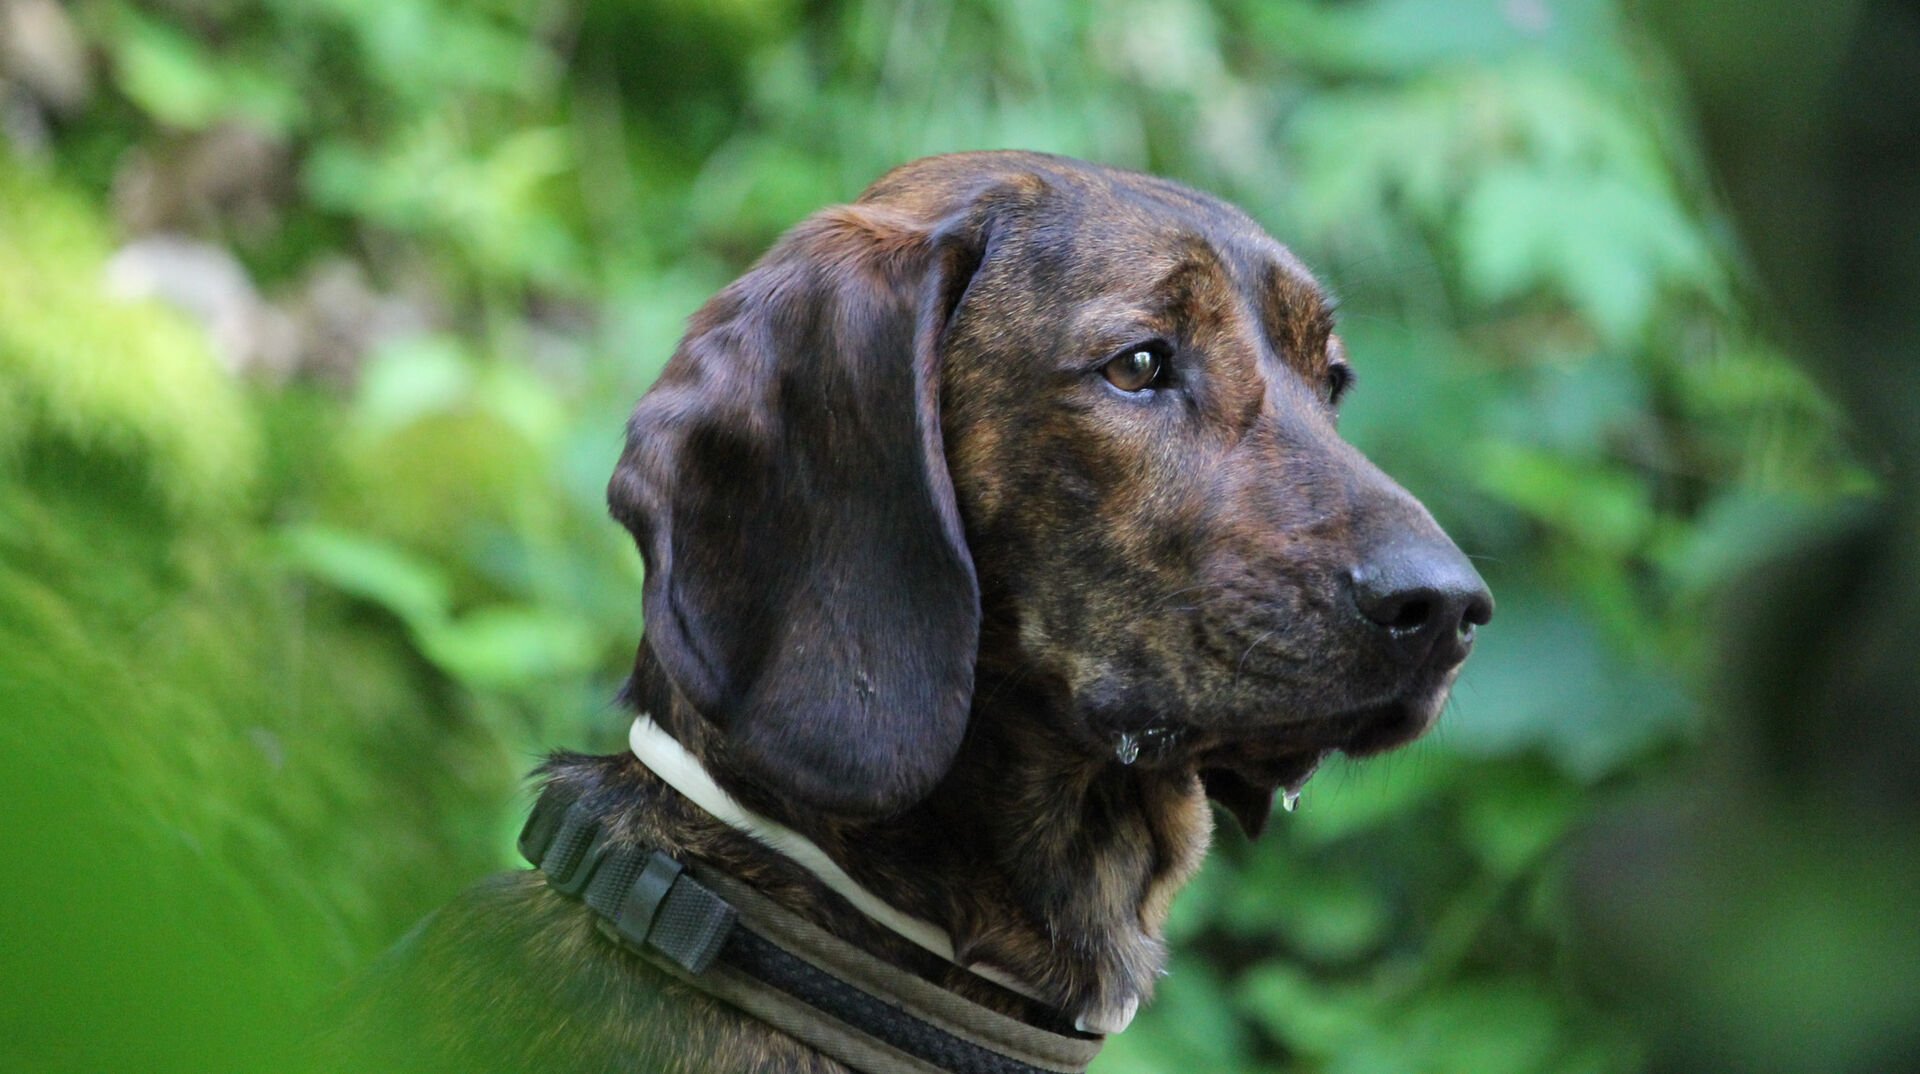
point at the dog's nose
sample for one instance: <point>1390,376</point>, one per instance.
<point>1427,598</point>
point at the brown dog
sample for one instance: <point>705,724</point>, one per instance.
<point>993,523</point>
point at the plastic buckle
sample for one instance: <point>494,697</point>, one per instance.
<point>574,853</point>
<point>643,900</point>
<point>543,823</point>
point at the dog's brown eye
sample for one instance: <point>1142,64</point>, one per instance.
<point>1339,381</point>
<point>1134,369</point>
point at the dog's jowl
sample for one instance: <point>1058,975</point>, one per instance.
<point>993,524</point>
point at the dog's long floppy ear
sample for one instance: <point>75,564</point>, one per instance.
<point>808,587</point>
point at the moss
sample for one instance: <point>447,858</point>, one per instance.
<point>133,379</point>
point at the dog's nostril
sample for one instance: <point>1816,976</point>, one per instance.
<point>1427,598</point>
<point>1412,616</point>
<point>1402,612</point>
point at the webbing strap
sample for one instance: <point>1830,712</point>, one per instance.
<point>651,904</point>
<point>646,896</point>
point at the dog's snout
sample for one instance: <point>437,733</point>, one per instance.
<point>1426,598</point>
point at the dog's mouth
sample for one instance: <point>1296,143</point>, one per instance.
<point>1249,774</point>
<point>1249,765</point>
<point>1395,723</point>
<point>1286,775</point>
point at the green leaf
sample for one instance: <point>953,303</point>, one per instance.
<point>1326,915</point>
<point>1544,679</point>
<point>178,81</point>
<point>1515,813</point>
<point>500,647</point>
<point>1606,244</point>
<point>412,589</point>
<point>1602,506</point>
<point>411,378</point>
<point>168,74</point>
<point>1503,1027</point>
<point>1316,1017</point>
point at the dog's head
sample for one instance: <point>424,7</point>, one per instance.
<point>1073,424</point>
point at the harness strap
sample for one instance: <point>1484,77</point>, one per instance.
<point>721,937</point>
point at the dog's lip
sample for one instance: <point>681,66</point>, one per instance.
<point>1286,768</point>
<point>1394,723</point>
<point>1290,789</point>
<point>1287,755</point>
<point>1379,728</point>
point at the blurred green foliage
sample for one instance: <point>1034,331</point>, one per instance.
<point>283,640</point>
<point>146,386</point>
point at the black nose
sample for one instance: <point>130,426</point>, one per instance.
<point>1427,599</point>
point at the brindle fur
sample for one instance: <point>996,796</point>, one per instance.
<point>913,566</point>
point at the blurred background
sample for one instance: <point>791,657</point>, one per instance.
<point>319,320</point>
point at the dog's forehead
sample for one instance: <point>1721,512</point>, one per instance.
<point>1151,232</point>
<point>1116,241</point>
<point>1209,261</point>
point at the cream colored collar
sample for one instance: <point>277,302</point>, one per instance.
<point>669,760</point>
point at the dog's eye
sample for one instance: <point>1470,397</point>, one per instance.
<point>1340,378</point>
<point>1135,369</point>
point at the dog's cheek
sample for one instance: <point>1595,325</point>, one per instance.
<point>982,443</point>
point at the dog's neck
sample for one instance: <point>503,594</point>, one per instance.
<point>1038,859</point>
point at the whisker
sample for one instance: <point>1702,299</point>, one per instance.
<point>1242,666</point>
<point>1165,597</point>
<point>1017,676</point>
<point>1198,604</point>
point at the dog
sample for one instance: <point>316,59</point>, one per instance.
<point>993,524</point>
